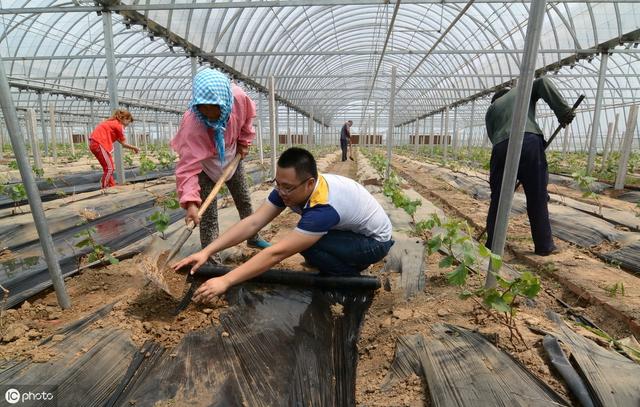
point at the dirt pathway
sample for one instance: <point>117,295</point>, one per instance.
<point>585,278</point>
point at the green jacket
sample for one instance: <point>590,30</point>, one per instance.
<point>500,113</point>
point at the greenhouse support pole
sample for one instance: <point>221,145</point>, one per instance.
<point>288,127</point>
<point>454,144</point>
<point>194,66</point>
<point>73,147</point>
<point>43,126</point>
<point>33,196</point>
<point>2,127</point>
<point>614,133</point>
<point>415,137</point>
<point>375,123</point>
<point>272,123</point>
<point>30,121</point>
<point>158,133</point>
<point>431,136</point>
<point>595,126</point>
<point>565,141</point>
<point>392,101</point>
<point>259,135</point>
<point>445,139</point>
<point>52,124</point>
<point>441,136</point>
<point>112,85</point>
<point>134,136</point>
<point>310,135</point>
<point>90,125</point>
<point>94,119</point>
<point>471,121</point>
<point>587,140</point>
<point>145,135</point>
<point>607,145</point>
<point>627,143</point>
<point>424,132</point>
<point>521,108</point>
<point>303,130</point>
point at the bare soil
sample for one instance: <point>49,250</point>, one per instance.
<point>581,274</point>
<point>147,312</point>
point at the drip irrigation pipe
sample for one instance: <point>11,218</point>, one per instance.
<point>295,278</point>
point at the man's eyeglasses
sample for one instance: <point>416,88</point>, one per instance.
<point>287,191</point>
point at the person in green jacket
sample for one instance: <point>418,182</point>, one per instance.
<point>532,169</point>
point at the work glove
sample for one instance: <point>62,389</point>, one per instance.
<point>567,118</point>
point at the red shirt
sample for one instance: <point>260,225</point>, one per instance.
<point>108,132</point>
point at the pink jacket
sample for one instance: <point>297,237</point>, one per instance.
<point>196,150</point>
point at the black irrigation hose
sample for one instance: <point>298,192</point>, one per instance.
<point>559,360</point>
<point>296,278</point>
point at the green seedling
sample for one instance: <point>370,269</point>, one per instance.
<point>38,172</point>
<point>584,183</point>
<point>462,254</point>
<point>128,159</point>
<point>17,193</point>
<point>146,165</point>
<point>160,218</point>
<point>391,188</point>
<point>98,251</point>
<point>615,289</point>
<point>166,159</point>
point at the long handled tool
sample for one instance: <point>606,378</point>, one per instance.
<point>546,144</point>
<point>156,258</point>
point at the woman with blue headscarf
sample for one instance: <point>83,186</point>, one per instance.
<point>217,126</point>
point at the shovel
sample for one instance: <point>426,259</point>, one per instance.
<point>351,151</point>
<point>155,259</point>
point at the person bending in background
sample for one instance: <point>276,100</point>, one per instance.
<point>102,139</point>
<point>217,126</point>
<point>342,229</point>
<point>345,138</point>
<point>532,170</point>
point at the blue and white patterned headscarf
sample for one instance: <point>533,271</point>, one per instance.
<point>211,87</point>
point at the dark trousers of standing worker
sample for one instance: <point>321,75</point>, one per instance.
<point>534,176</point>
<point>341,252</point>
<point>344,145</point>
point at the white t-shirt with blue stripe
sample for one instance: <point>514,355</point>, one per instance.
<point>340,203</point>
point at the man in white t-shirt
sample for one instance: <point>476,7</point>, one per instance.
<point>342,229</point>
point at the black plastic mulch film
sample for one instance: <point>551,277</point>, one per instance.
<point>275,346</point>
<point>462,368</point>
<point>599,374</point>
<point>53,188</point>
<point>25,274</point>
<point>567,223</point>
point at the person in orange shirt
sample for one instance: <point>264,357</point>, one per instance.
<point>102,139</point>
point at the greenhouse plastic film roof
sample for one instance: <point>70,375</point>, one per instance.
<point>331,59</point>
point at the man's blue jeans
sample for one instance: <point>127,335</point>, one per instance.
<point>345,253</point>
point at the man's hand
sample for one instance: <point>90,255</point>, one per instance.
<point>243,150</point>
<point>210,289</point>
<point>197,259</point>
<point>567,118</point>
<point>192,214</point>
<point>135,149</point>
